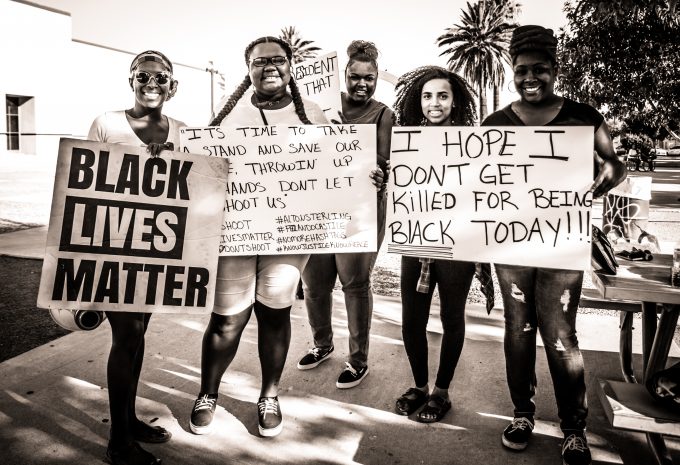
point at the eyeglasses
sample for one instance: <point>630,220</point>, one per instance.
<point>161,78</point>
<point>263,61</point>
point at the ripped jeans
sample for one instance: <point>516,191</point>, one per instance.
<point>545,299</point>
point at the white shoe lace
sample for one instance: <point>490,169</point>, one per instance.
<point>204,402</point>
<point>350,368</point>
<point>521,423</point>
<point>268,405</point>
<point>315,352</point>
<point>575,442</point>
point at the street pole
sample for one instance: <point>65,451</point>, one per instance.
<point>212,70</point>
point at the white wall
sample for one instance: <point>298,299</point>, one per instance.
<point>73,82</point>
<point>35,55</point>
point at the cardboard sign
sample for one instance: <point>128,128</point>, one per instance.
<point>512,195</point>
<point>319,81</point>
<point>294,189</point>
<point>625,211</point>
<point>129,232</point>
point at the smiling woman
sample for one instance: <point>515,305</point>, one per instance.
<point>263,283</point>
<point>144,124</point>
<point>540,298</point>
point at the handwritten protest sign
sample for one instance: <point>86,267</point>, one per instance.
<point>294,189</point>
<point>512,195</point>
<point>319,81</point>
<point>129,232</point>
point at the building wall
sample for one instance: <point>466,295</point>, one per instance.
<point>36,50</point>
<point>72,82</point>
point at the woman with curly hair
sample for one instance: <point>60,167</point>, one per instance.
<point>265,283</point>
<point>353,269</point>
<point>433,96</point>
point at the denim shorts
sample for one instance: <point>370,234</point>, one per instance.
<point>270,279</point>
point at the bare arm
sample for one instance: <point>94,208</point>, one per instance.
<point>611,170</point>
<point>384,137</point>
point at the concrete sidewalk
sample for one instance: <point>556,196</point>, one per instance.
<point>54,407</point>
<point>54,410</point>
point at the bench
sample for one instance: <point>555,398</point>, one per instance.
<point>590,298</point>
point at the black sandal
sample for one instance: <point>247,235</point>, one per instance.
<point>130,454</point>
<point>410,401</point>
<point>150,434</point>
<point>434,410</point>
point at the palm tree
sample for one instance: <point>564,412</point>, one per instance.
<point>302,49</point>
<point>512,9</point>
<point>478,47</point>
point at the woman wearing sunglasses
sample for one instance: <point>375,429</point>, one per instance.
<point>142,125</point>
<point>265,283</point>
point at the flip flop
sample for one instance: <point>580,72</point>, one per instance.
<point>410,401</point>
<point>433,413</point>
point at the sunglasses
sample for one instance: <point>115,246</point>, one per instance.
<point>262,61</point>
<point>161,78</point>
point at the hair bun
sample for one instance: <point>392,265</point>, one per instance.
<point>362,47</point>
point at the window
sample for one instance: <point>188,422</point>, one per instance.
<point>20,123</point>
<point>12,123</point>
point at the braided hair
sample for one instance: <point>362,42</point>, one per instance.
<point>533,38</point>
<point>246,83</point>
<point>362,50</point>
<point>409,88</point>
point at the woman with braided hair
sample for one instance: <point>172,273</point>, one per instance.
<point>433,96</point>
<point>265,283</point>
<point>542,298</point>
<point>144,124</point>
<point>353,269</point>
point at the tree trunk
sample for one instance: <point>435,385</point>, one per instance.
<point>496,97</point>
<point>482,101</point>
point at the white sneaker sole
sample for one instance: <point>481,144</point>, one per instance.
<point>200,429</point>
<point>340,385</point>
<point>270,432</point>
<point>313,365</point>
<point>513,445</point>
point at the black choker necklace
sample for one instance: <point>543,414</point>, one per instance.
<point>266,103</point>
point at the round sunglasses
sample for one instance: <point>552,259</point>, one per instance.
<point>262,61</point>
<point>161,78</point>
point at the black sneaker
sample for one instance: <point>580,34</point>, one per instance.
<point>314,358</point>
<point>202,414</point>
<point>516,435</point>
<point>575,449</point>
<point>269,419</point>
<point>351,377</point>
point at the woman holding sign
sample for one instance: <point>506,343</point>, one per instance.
<point>265,283</point>
<point>433,96</point>
<point>142,125</point>
<point>541,298</point>
<point>353,269</point>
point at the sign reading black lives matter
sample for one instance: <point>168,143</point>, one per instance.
<point>294,189</point>
<point>319,81</point>
<point>511,195</point>
<point>129,232</point>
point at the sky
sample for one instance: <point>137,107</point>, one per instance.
<point>195,32</point>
